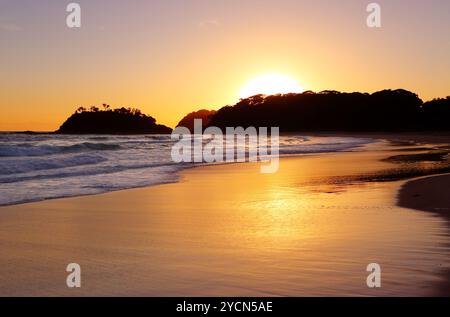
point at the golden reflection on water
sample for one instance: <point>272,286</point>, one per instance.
<point>269,234</point>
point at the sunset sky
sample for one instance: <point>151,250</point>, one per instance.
<point>172,57</point>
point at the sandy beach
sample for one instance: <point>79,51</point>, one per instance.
<point>227,230</point>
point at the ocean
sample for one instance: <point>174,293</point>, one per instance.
<point>48,166</point>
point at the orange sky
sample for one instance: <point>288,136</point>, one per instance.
<point>169,58</point>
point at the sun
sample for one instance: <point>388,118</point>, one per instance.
<point>271,84</point>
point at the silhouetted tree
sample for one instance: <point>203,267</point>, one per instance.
<point>329,110</point>
<point>80,110</point>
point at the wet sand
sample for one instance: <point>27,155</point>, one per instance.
<point>230,231</point>
<point>430,193</point>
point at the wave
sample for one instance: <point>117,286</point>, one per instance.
<point>41,189</point>
<point>13,166</point>
<point>27,149</point>
<point>286,149</point>
<point>96,170</point>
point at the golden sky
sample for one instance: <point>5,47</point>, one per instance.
<point>172,57</point>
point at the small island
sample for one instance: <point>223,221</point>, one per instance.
<point>111,121</point>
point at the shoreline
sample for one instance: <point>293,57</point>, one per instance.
<point>407,140</point>
<point>177,173</point>
<point>425,194</point>
<point>406,192</point>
